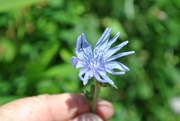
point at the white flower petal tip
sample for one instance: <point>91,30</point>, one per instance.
<point>114,86</point>
<point>132,52</point>
<point>125,42</point>
<point>96,63</point>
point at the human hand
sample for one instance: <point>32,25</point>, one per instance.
<point>60,107</point>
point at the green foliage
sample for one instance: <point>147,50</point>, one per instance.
<point>6,5</point>
<point>38,37</point>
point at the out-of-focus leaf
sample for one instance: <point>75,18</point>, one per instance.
<point>7,50</point>
<point>129,9</point>
<point>47,86</point>
<point>60,71</point>
<point>145,91</point>
<point>49,51</point>
<point>65,55</point>
<point>5,99</point>
<point>6,5</point>
<point>46,56</point>
<point>116,27</point>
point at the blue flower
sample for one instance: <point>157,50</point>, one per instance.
<point>101,60</point>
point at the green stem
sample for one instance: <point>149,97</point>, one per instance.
<point>95,97</point>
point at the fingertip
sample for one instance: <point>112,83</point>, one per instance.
<point>68,105</point>
<point>87,117</point>
<point>105,109</point>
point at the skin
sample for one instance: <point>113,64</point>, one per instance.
<point>60,107</point>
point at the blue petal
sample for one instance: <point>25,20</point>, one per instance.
<point>110,81</point>
<point>103,37</point>
<point>114,73</point>
<point>103,77</point>
<point>116,65</point>
<point>99,79</point>
<point>87,75</point>
<point>83,48</point>
<point>102,42</point>
<point>78,44</point>
<point>77,63</point>
<point>78,50</point>
<point>99,58</point>
<point>115,49</point>
<point>86,47</point>
<point>119,55</point>
<point>112,41</point>
<point>82,72</point>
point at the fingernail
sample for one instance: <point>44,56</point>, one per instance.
<point>87,117</point>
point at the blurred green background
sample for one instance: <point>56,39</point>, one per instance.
<point>37,40</point>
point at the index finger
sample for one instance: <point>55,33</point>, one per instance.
<point>59,107</point>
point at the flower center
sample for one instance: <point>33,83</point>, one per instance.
<point>97,60</point>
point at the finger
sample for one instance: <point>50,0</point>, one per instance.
<point>104,109</point>
<point>45,108</point>
<point>76,104</point>
<point>87,117</point>
<point>70,105</point>
<point>55,107</point>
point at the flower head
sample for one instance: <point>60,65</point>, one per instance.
<point>101,60</point>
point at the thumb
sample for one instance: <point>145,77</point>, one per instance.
<point>87,117</point>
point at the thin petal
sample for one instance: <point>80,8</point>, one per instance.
<point>86,46</point>
<point>88,75</point>
<point>115,73</point>
<point>79,51</point>
<point>119,55</point>
<point>104,36</point>
<point>82,72</point>
<point>116,65</point>
<point>112,41</point>
<point>77,63</point>
<point>105,77</point>
<point>83,48</point>
<point>78,44</point>
<point>102,42</point>
<point>115,49</point>
<point>99,79</point>
<point>110,81</point>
